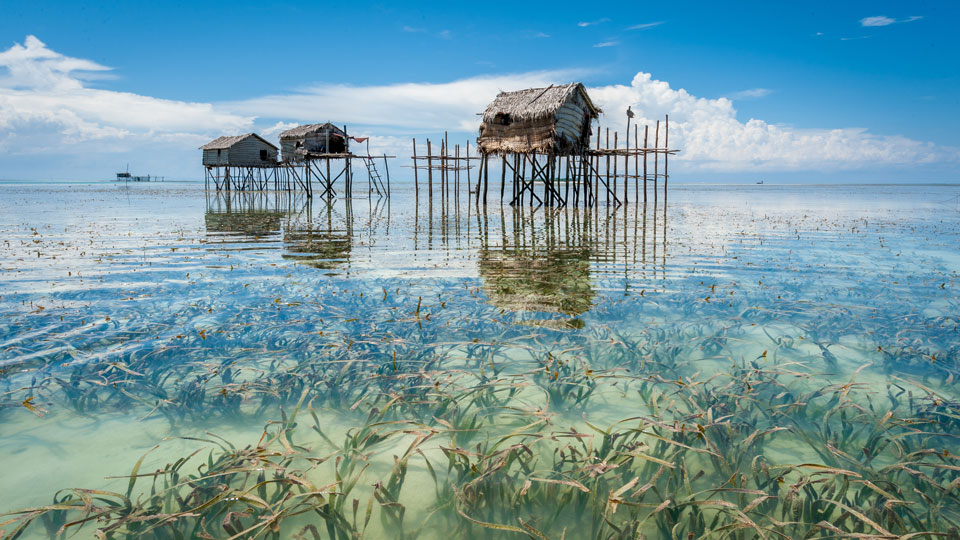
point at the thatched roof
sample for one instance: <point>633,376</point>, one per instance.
<point>300,131</point>
<point>536,103</point>
<point>226,141</point>
<point>552,120</point>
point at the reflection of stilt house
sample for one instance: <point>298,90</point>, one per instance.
<point>239,162</point>
<point>552,280</point>
<point>245,222</point>
<point>323,249</point>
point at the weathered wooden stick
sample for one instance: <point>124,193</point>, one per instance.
<point>503,176</point>
<point>656,158</point>
<point>606,170</point>
<point>416,180</point>
<point>636,163</point>
<point>646,131</point>
<point>615,160</point>
<point>429,172</point>
<point>666,157</point>
<point>486,180</point>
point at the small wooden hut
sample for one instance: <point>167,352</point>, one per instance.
<point>553,120</point>
<point>300,141</point>
<point>249,150</point>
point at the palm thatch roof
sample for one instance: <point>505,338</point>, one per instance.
<point>535,104</point>
<point>226,141</point>
<point>306,129</point>
<point>555,119</point>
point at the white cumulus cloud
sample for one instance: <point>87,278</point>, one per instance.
<point>46,103</point>
<point>711,136</point>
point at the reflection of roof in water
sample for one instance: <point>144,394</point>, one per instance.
<point>324,249</point>
<point>246,222</point>
<point>549,280</point>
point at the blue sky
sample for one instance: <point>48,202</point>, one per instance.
<point>871,89</point>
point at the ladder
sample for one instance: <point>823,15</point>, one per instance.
<point>373,177</point>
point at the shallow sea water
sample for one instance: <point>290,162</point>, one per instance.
<point>744,361</point>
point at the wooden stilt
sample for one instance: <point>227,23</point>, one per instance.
<point>666,157</point>
<point>646,132</point>
<point>486,179</point>
<point>503,176</point>
<point>656,160</point>
<point>429,173</point>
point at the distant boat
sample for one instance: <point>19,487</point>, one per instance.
<point>760,183</point>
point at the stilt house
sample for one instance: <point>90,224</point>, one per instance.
<point>553,120</point>
<point>250,150</point>
<point>326,138</point>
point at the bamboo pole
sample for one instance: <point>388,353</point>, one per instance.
<point>616,145</point>
<point>646,132</point>
<point>386,168</point>
<point>656,159</point>
<point>503,176</point>
<point>596,181</point>
<point>429,173</point>
<point>666,157</point>
<point>636,163</point>
<point>416,180</point>
<point>446,164</point>
<point>486,179</point>
<point>606,170</point>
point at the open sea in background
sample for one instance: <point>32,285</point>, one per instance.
<point>746,360</point>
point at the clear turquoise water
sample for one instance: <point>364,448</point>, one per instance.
<point>757,328</point>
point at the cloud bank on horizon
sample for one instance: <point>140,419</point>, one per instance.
<point>48,105</point>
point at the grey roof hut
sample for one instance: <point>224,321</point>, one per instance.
<point>249,150</point>
<point>552,120</point>
<point>326,138</point>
